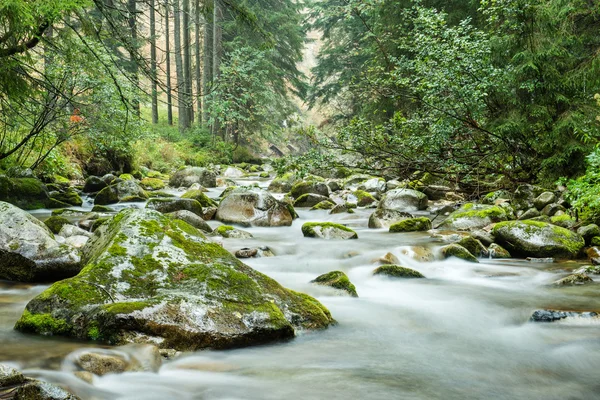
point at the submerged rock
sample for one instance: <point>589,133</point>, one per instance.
<point>28,250</point>
<point>474,216</point>
<point>456,250</point>
<point>557,315</point>
<point>228,231</point>
<point>150,279</point>
<point>254,207</point>
<point>538,239</point>
<point>337,280</point>
<point>327,230</point>
<point>411,225</point>
<point>190,175</point>
<point>396,271</point>
<point>574,279</point>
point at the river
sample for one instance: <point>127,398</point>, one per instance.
<point>463,333</point>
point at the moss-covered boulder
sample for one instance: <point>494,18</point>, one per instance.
<point>564,220</point>
<point>364,199</point>
<point>200,197</point>
<point>538,239</point>
<point>233,172</point>
<point>190,175</point>
<point>497,251</point>
<point>381,218</point>
<point>55,223</point>
<point>544,199</point>
<point>456,250</point>
<point>28,250</point>
<point>152,184</point>
<point>327,230</point>
<point>25,193</point>
<point>411,225</point>
<point>122,191</point>
<point>324,205</point>
<point>283,183</point>
<point>474,216</point>
<point>192,219</point>
<point>170,205</point>
<point>588,232</point>
<point>253,207</point>
<point>474,246</point>
<point>310,200</point>
<point>151,279</point>
<point>126,177</point>
<point>396,271</point>
<point>94,184</point>
<point>306,187</point>
<point>69,196</point>
<point>574,279</point>
<point>337,280</point>
<point>228,231</point>
<point>394,205</point>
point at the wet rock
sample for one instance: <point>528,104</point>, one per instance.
<point>109,179</point>
<point>310,200</point>
<point>544,199</point>
<point>396,271</point>
<point>233,172</point>
<point>537,239</point>
<point>150,279</point>
<point>474,246</point>
<point>102,209</point>
<point>209,213</point>
<point>334,185</point>
<point>448,236</point>
<point>309,187</point>
<point>200,197</point>
<point>228,231</point>
<point>77,241</point>
<point>192,219</point>
<point>546,260</point>
<point>28,250</point>
<point>71,230</point>
<point>324,205</point>
<point>25,193</point>
<point>531,213</point>
<point>563,220</point>
<point>574,279</point>
<point>55,223</point>
<point>152,184</point>
<point>373,185</point>
<point>418,253</point>
<point>497,251</point>
<point>456,250</point>
<point>411,225</point>
<point>524,196</point>
<point>498,195</point>
<point>254,207</point>
<point>121,192</point>
<point>385,218</point>
<point>170,205</point>
<point>337,280</point>
<point>484,237</point>
<point>339,209</point>
<point>551,209</point>
<point>588,232</point>
<point>190,175</point>
<point>557,315</point>
<point>282,184</point>
<point>85,376</point>
<point>246,253</point>
<point>69,196</point>
<point>474,216</point>
<point>101,364</point>
<point>38,390</point>
<point>10,376</point>
<point>327,230</point>
<point>589,269</point>
<point>403,200</point>
<point>387,259</point>
<point>364,199</point>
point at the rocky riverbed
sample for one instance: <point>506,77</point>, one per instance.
<point>498,300</point>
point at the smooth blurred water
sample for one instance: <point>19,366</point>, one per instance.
<point>463,333</point>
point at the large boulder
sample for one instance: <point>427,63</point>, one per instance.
<point>28,250</point>
<point>254,206</point>
<point>151,279</point>
<point>283,183</point>
<point>311,200</point>
<point>538,239</point>
<point>169,205</point>
<point>94,184</point>
<point>25,193</point>
<point>190,175</point>
<point>306,187</point>
<point>233,172</point>
<point>122,191</point>
<point>474,216</point>
<point>394,206</point>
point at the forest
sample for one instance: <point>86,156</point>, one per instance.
<point>423,175</point>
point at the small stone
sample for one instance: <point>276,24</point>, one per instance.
<point>557,315</point>
<point>546,260</point>
<point>337,280</point>
<point>327,230</point>
<point>456,250</point>
<point>246,253</point>
<point>396,271</point>
<point>474,246</point>
<point>85,376</point>
<point>574,279</point>
<point>387,259</point>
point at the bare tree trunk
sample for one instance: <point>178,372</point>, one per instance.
<point>217,38</point>
<point>197,59</point>
<point>181,104</point>
<point>168,61</point>
<point>207,76</point>
<point>132,11</point>
<point>187,61</point>
<point>153,62</point>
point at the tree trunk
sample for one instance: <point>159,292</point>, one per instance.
<point>181,104</point>
<point>217,38</point>
<point>197,59</point>
<point>168,62</point>
<point>187,61</point>
<point>132,11</point>
<point>153,62</point>
<point>207,76</point>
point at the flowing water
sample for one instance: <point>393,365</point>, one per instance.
<point>463,333</point>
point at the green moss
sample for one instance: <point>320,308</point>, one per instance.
<point>337,280</point>
<point>308,229</point>
<point>42,324</point>
<point>126,177</point>
<point>200,197</point>
<point>223,229</point>
<point>364,198</point>
<point>396,271</point>
<point>313,314</point>
<point>55,223</point>
<point>134,199</point>
<point>324,205</point>
<point>126,307</point>
<point>93,333</point>
<point>152,184</point>
<point>99,222</point>
<point>69,197</point>
<point>99,208</point>
<point>108,195</point>
<point>291,210</point>
<point>411,225</point>
<point>456,250</point>
<point>595,241</point>
<point>264,175</point>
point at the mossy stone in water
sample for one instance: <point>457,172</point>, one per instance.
<point>456,250</point>
<point>327,230</point>
<point>411,225</point>
<point>474,216</point>
<point>364,198</point>
<point>324,205</point>
<point>200,197</point>
<point>228,231</point>
<point>474,246</point>
<point>396,271</point>
<point>100,208</point>
<point>25,193</point>
<point>574,279</point>
<point>70,197</point>
<point>170,205</point>
<point>337,280</point>
<point>56,223</point>
<point>150,279</point>
<point>152,184</point>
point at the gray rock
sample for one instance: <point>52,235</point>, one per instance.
<point>309,187</point>
<point>233,172</point>
<point>29,251</point>
<point>190,175</point>
<point>122,191</point>
<point>574,279</point>
<point>254,207</point>
<point>588,232</point>
<point>530,213</point>
<point>328,230</point>
<point>169,205</point>
<point>557,315</point>
<point>474,216</point>
<point>553,209</point>
<point>544,199</point>
<point>483,236</point>
<point>497,251</point>
<point>192,219</point>
<point>310,200</point>
<point>38,390</point>
<point>71,230</point>
<point>232,233</point>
